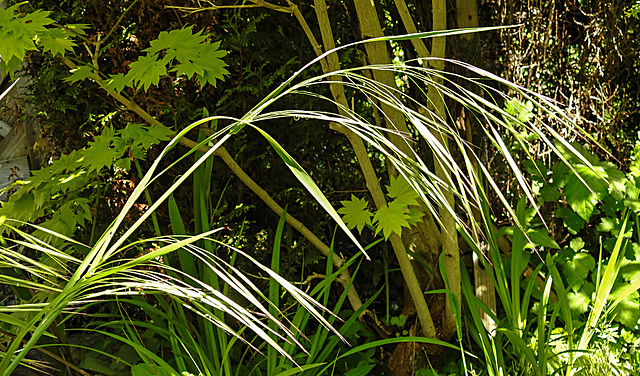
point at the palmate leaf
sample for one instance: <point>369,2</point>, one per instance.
<point>80,73</point>
<point>117,82</point>
<point>100,154</point>
<point>402,193</point>
<point>56,41</point>
<point>391,219</point>
<point>355,213</point>
<point>17,33</point>
<point>147,71</point>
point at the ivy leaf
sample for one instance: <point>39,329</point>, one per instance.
<point>402,193</point>
<point>577,268</point>
<point>80,73</point>
<point>390,219</point>
<point>579,301</point>
<point>146,71</point>
<point>355,213</point>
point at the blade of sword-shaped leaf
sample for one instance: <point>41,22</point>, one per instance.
<point>274,291</point>
<point>310,185</point>
<point>177,225</point>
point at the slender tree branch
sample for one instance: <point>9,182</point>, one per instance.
<point>368,171</point>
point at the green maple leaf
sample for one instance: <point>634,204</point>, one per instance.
<point>147,71</point>
<point>176,40</point>
<point>402,193</point>
<point>80,73</point>
<point>67,162</point>
<point>390,219</point>
<point>57,41</point>
<point>355,213</point>
<point>117,82</point>
<point>99,154</point>
<point>413,215</point>
<point>36,21</point>
<point>579,301</point>
<point>160,132</point>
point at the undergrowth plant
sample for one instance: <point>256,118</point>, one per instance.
<point>190,290</point>
<point>577,300</point>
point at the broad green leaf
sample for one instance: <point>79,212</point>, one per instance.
<point>355,213</point>
<point>579,301</point>
<point>578,267</point>
<point>549,193</point>
<point>607,224</point>
<point>627,312</point>
<point>630,270</point>
<point>541,238</point>
<point>402,193</point>
<point>144,369</point>
<point>600,178</point>
<point>572,221</point>
<point>577,244</point>
<point>390,219</point>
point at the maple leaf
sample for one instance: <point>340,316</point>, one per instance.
<point>355,213</point>
<point>160,132</point>
<point>146,71</point>
<point>117,82</point>
<point>57,41</point>
<point>390,219</point>
<point>99,154</point>
<point>176,40</point>
<point>80,73</point>
<point>402,193</point>
<point>413,215</point>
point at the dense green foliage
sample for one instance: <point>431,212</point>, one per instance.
<point>134,251</point>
